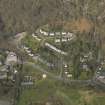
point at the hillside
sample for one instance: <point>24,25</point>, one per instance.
<point>27,15</point>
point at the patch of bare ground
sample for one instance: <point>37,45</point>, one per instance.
<point>87,96</point>
<point>80,25</point>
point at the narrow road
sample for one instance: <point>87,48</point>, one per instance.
<point>68,81</point>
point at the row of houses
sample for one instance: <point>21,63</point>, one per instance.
<point>48,45</point>
<point>55,33</point>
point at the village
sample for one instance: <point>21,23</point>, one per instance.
<point>53,64</point>
<point>52,52</point>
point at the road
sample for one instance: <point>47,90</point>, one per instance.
<point>68,81</point>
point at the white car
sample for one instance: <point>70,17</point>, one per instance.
<point>51,34</point>
<point>26,48</point>
<point>63,33</point>
<point>69,75</point>
<point>66,72</point>
<point>65,66</point>
<point>31,55</point>
<point>28,51</point>
<point>33,35</point>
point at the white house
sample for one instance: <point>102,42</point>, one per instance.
<point>11,58</point>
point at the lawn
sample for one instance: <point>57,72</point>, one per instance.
<point>31,42</point>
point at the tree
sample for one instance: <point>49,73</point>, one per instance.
<point>26,15</point>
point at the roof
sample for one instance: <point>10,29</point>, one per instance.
<point>3,74</point>
<point>11,58</point>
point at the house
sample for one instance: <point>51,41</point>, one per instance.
<point>101,77</point>
<point>3,73</point>
<point>11,58</point>
<point>27,82</point>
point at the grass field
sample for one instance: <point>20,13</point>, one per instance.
<point>57,93</point>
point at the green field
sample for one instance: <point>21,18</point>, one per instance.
<point>31,42</point>
<point>57,93</point>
